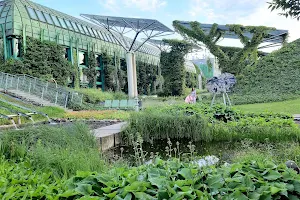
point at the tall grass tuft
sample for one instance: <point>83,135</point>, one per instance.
<point>63,150</point>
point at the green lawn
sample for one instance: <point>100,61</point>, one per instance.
<point>290,107</point>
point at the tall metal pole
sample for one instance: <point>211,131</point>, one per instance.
<point>130,75</point>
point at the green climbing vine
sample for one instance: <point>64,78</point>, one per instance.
<point>43,60</point>
<point>172,67</point>
<point>91,72</point>
<point>76,73</point>
<point>234,63</point>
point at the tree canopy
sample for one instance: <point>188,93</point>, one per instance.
<point>236,62</point>
<point>289,7</point>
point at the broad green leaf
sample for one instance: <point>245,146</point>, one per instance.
<point>143,196</point>
<point>84,189</point>
<point>158,182</point>
<point>272,175</point>
<point>296,186</point>
<point>275,190</point>
<point>186,173</point>
<point>112,195</point>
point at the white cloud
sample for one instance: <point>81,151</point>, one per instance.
<point>263,16</point>
<point>146,5</point>
<point>109,4</point>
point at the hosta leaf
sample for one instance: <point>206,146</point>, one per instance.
<point>297,186</point>
<point>143,196</point>
<point>275,190</point>
<point>186,173</point>
<point>106,190</point>
<point>84,189</point>
<point>158,182</point>
<point>272,175</point>
<point>215,181</point>
<point>112,195</point>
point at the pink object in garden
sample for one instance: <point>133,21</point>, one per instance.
<point>189,99</point>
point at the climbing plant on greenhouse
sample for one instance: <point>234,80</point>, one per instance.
<point>90,72</point>
<point>44,60</point>
<point>232,64</point>
<point>172,66</point>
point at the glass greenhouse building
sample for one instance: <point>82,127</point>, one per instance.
<point>23,18</point>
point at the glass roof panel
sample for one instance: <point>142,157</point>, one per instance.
<point>100,35</point>
<point>48,18</point>
<point>92,32</point>
<point>80,28</point>
<point>55,20</point>
<point>86,30</point>
<point>75,26</point>
<point>62,22</point>
<point>32,13</point>
<point>69,24</point>
<point>40,16</point>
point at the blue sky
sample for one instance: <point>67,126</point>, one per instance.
<point>246,12</point>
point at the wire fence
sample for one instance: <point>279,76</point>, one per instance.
<point>51,92</point>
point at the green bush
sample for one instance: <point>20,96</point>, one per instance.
<point>63,150</point>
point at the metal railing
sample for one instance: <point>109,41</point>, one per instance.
<point>48,91</point>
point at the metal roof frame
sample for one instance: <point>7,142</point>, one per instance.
<point>123,25</point>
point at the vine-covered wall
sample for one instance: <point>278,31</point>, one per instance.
<point>172,66</point>
<point>44,60</point>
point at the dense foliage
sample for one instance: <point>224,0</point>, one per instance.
<point>274,78</point>
<point>232,64</point>
<point>91,72</point>
<point>289,7</point>
<point>201,123</point>
<point>172,66</point>
<point>171,179</point>
<point>43,60</point>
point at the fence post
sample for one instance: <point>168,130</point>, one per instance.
<point>6,82</point>
<point>18,83</point>
<point>11,82</point>
<point>29,87</point>
<point>43,93</point>
<point>34,83</point>
<point>72,96</point>
<point>66,100</point>
<point>56,96</point>
<point>46,87</point>
<point>81,100</point>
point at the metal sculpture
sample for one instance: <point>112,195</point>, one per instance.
<point>221,85</point>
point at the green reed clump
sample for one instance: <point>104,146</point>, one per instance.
<point>63,150</point>
<point>159,125</point>
<point>199,123</point>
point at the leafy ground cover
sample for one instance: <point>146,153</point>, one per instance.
<point>172,179</point>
